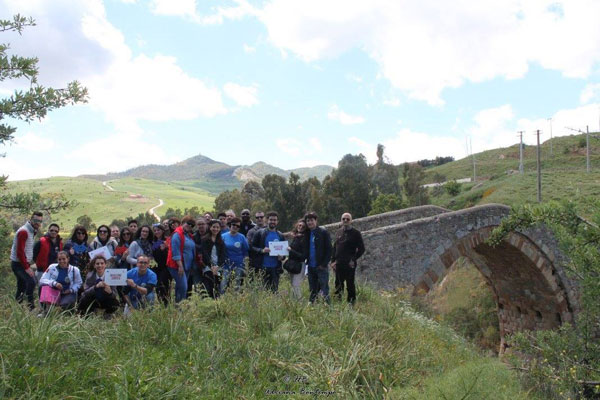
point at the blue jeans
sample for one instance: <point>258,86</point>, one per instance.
<point>181,284</point>
<point>142,301</point>
<point>318,280</point>
<point>226,275</point>
<point>25,284</point>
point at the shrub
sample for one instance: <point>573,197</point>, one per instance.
<point>452,188</point>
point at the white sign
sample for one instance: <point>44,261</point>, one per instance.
<point>102,251</point>
<point>278,248</point>
<point>115,276</point>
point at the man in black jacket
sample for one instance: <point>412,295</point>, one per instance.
<point>347,248</point>
<point>319,254</point>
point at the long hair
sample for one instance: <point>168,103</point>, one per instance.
<point>79,228</point>
<point>208,235</point>
<point>138,234</point>
<point>122,240</point>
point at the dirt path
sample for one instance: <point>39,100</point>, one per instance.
<point>108,187</point>
<point>152,210</point>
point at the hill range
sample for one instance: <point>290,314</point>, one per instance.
<point>198,180</point>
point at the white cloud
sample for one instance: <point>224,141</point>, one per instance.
<point>295,147</point>
<point>124,149</point>
<point>244,96</point>
<point>392,102</point>
<point>315,143</point>
<point>188,9</point>
<point>354,78</point>
<point>249,49</point>
<point>179,8</point>
<point>427,46</point>
<point>34,143</point>
<point>336,114</point>
<point>589,93</point>
<point>129,91</point>
<point>289,146</point>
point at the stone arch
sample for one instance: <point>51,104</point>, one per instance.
<point>529,286</point>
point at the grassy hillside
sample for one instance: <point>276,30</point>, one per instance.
<point>563,175</point>
<point>247,346</point>
<point>104,205</point>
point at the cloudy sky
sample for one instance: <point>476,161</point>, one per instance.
<point>300,83</point>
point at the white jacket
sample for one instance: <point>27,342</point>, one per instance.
<point>49,277</point>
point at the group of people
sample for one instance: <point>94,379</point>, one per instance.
<point>205,254</point>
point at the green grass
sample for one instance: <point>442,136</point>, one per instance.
<point>103,205</point>
<point>563,176</point>
<point>243,346</point>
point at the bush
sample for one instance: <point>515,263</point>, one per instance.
<point>452,187</point>
<point>582,142</point>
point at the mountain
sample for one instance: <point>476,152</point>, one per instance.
<point>213,176</point>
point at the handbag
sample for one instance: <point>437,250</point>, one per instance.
<point>49,295</point>
<point>292,266</point>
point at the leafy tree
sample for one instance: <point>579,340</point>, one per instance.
<point>383,176</point>
<point>414,177</point>
<point>565,363</point>
<point>347,190</point>
<point>86,221</point>
<point>452,187</point>
<point>386,202</point>
<point>29,105</point>
<point>172,213</point>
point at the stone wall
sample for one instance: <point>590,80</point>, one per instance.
<point>416,247</point>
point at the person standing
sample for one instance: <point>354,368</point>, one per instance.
<point>236,250</point>
<point>297,250</point>
<point>181,256</point>
<point>160,251</point>
<point>247,223</point>
<point>21,256</point>
<point>104,238</point>
<point>78,247</point>
<point>141,246</point>
<point>319,254</point>
<point>133,227</point>
<point>214,255</point>
<point>255,258</point>
<point>347,248</point>
<point>196,271</point>
<point>271,265</point>
<point>46,250</point>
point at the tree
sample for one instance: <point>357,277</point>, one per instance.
<point>452,187</point>
<point>383,176</point>
<point>386,202</point>
<point>414,177</point>
<point>86,221</point>
<point>27,106</point>
<point>347,190</point>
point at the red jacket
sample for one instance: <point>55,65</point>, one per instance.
<point>41,261</point>
<point>170,262</point>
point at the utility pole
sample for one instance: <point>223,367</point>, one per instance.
<point>473,157</point>
<point>521,152</point>
<point>587,149</point>
<point>551,152</point>
<point>539,170</point>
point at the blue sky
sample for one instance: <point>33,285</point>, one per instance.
<point>300,83</point>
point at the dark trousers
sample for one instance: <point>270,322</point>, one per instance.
<point>318,281</point>
<point>25,284</point>
<point>271,279</point>
<point>90,302</point>
<point>345,274</point>
<point>211,284</point>
<point>163,284</point>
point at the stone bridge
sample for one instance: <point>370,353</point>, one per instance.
<point>415,247</point>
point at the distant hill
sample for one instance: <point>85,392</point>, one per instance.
<point>211,175</point>
<point>564,174</point>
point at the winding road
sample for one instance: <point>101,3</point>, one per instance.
<point>151,211</point>
<point>108,187</point>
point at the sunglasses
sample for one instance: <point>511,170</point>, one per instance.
<point>102,231</point>
<point>190,223</point>
<point>235,225</point>
<point>36,221</point>
<point>245,215</point>
<point>345,219</point>
<point>80,233</point>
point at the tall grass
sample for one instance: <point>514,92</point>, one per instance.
<point>245,345</point>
